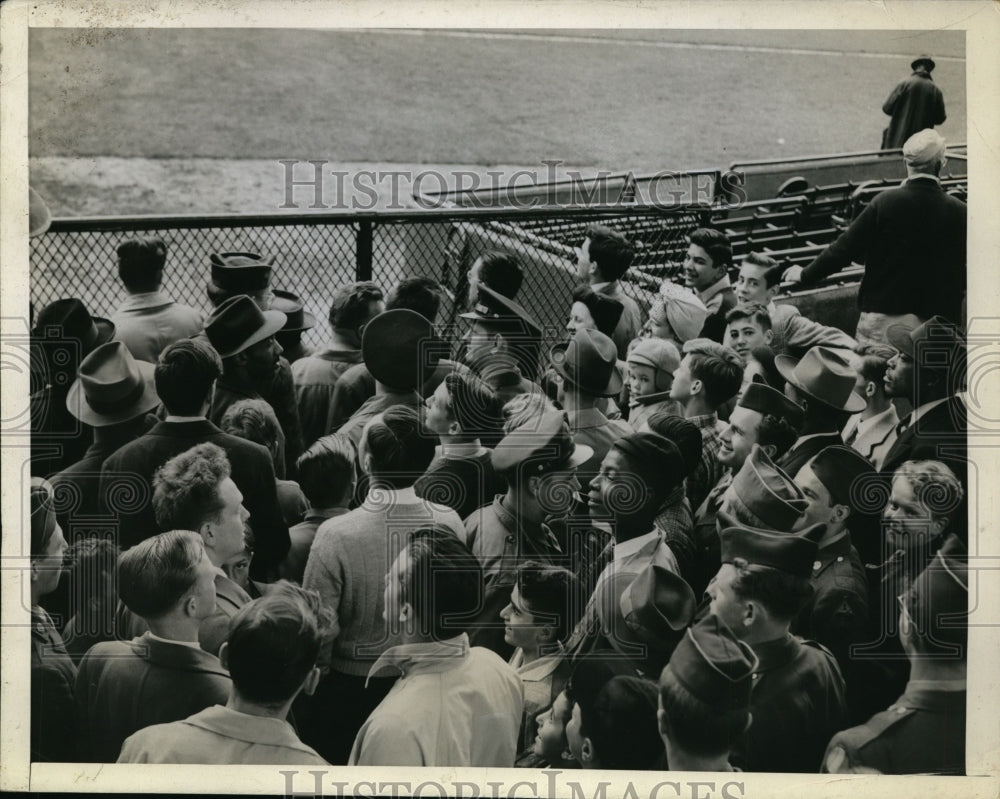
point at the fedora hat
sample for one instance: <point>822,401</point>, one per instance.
<point>544,445</point>
<point>923,59</point>
<point>74,321</point>
<point>112,387</point>
<point>654,607</point>
<point>297,318</point>
<point>822,374</point>
<point>238,324</point>
<point>589,361</point>
<point>506,315</point>
<point>238,273</point>
<point>400,349</point>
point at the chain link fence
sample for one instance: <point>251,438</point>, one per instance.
<point>316,253</point>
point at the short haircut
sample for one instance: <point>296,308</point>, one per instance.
<point>419,294</point>
<point>778,432</point>
<point>683,433</point>
<point>719,369</point>
<point>872,361</point>
<point>155,574</point>
<point>610,250</point>
<point>349,307</point>
<point>473,404</point>
<point>753,311</point>
<point>93,569</point>
<point>554,594</point>
<point>934,485</point>
<point>716,244</point>
<point>695,726</point>
<point>502,272</point>
<point>621,723</point>
<point>399,449</point>
<point>184,375</point>
<point>141,261</point>
<point>774,272</point>
<point>444,582</point>
<point>186,488</point>
<point>275,641</point>
<point>783,594</point>
<point>327,469</point>
<point>254,420</point>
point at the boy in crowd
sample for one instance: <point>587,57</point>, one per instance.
<point>706,271</point>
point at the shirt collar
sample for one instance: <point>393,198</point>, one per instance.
<point>148,299</point>
<point>393,496</point>
<point>319,514</point>
<point>425,657</point>
<point>155,637</point>
<point>923,176</point>
<point>461,449</point>
<point>183,419</point>
<point>538,669</point>
<point>628,548</point>
<point>600,286</point>
<point>888,416</point>
<point>704,420</point>
<point>717,287</point>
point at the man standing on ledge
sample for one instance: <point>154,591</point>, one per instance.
<point>916,103</point>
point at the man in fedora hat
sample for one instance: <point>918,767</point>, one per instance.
<point>148,320</point>
<point>400,349</point>
<point>709,375</point>
<point>704,703</point>
<point>822,382</point>
<point>316,376</point>
<point>236,273</point>
<point>461,412</point>
<point>923,730</point>
<point>759,494</point>
<point>915,104</point>
<point>798,697</point>
<point>184,377</point>
<point>912,241</point>
<point>837,614</point>
<point>113,395</point>
<point>297,321</point>
<point>538,461</point>
<point>64,334</point>
<point>588,368</point>
<point>252,368</point>
<point>929,370</point>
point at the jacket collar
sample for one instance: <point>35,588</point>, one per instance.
<point>266,730</point>
<point>429,657</point>
<point>176,655</point>
<point>195,427</point>
<point>775,654</point>
<point>721,285</point>
<point>149,299</point>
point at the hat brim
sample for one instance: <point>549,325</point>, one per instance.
<point>105,331</point>
<point>785,365</point>
<point>308,323</point>
<point>77,405</point>
<point>611,389</point>
<point>899,338</point>
<point>273,322</point>
<point>929,61</point>
<point>581,454</point>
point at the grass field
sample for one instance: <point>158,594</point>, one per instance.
<point>119,119</point>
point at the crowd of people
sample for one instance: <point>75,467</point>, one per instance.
<point>709,534</point>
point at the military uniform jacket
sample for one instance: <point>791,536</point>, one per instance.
<point>923,732</point>
<point>798,703</point>
<point>124,686</point>
<point>708,546</point>
<point>837,614</point>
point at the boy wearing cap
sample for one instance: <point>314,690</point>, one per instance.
<point>651,366</point>
<point>914,105</point>
<point>148,320</point>
<point>912,241</point>
<point>791,332</point>
<point>704,701</point>
<point>161,675</point>
<point>798,698</point>
<point>252,368</point>
<point>708,377</point>
<point>923,731</point>
<point>113,395</point>
<point>837,613</point>
<point>461,476</point>
<point>822,382</point>
<point>353,306</point>
<point>588,368</point>
<point>603,259</point>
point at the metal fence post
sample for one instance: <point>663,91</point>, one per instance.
<point>365,244</point>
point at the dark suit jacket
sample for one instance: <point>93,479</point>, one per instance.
<point>912,243</point>
<point>132,468</point>
<point>802,452</point>
<point>52,677</point>
<point>940,434</point>
<point>124,686</point>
